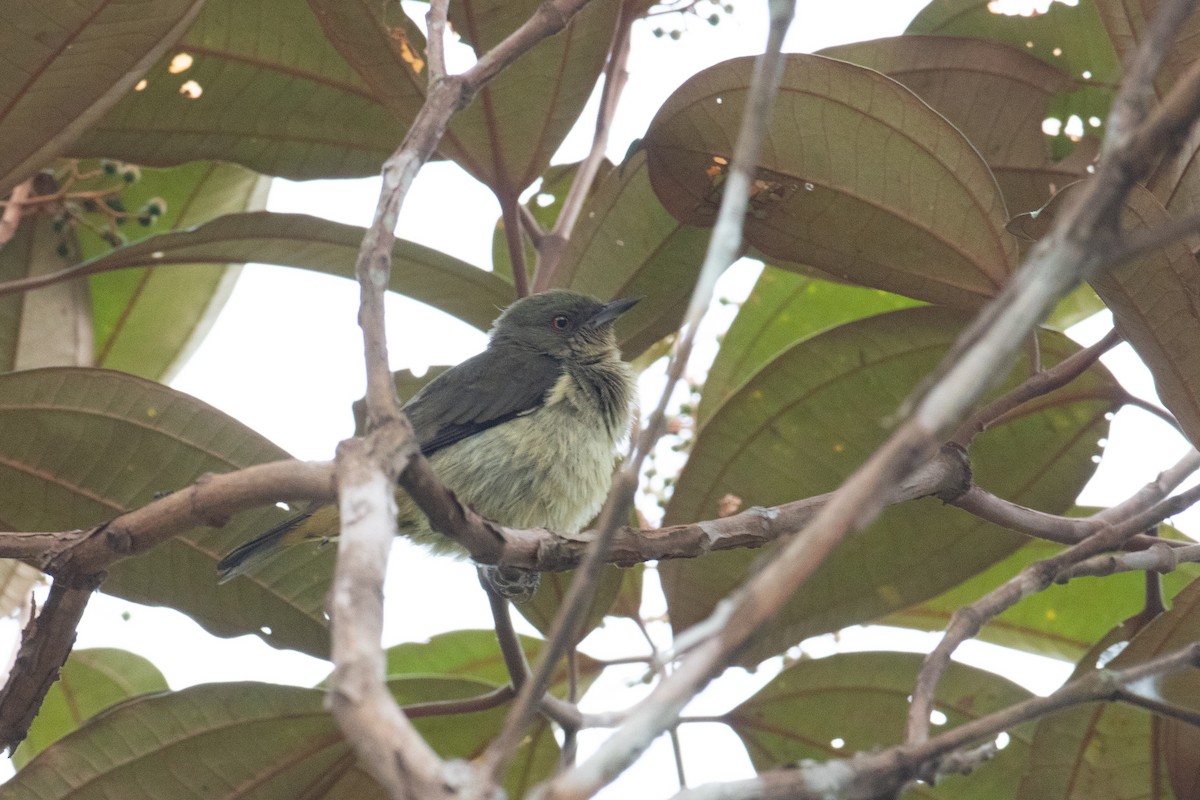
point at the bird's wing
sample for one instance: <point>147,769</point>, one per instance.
<point>491,388</point>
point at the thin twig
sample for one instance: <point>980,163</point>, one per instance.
<point>870,776</point>
<point>516,244</point>
<point>435,43</point>
<point>1039,383</point>
<point>722,250</point>
<point>45,644</point>
<point>382,737</point>
<point>1158,559</point>
<point>1152,408</point>
<point>550,250</point>
<point>967,621</point>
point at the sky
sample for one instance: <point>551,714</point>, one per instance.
<point>285,357</point>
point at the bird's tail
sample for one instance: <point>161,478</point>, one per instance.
<point>261,548</point>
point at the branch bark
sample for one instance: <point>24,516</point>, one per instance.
<point>870,776</point>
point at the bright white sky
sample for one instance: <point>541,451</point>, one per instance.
<point>285,357</point>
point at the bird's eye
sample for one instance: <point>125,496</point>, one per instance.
<point>560,322</point>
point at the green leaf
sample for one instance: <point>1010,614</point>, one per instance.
<point>627,245</point>
<point>1063,621</point>
<point>969,81</point>
<point>67,428</point>
<point>51,326</point>
<point>1072,38</point>
<point>811,416</point>
<point>506,137</point>
<point>276,97</point>
<point>90,681</point>
<point>803,712</point>
<point>541,609</point>
<point>782,309</point>
<point>859,179</point>
<point>254,739</point>
<point>1098,750</point>
<point>148,321</point>
<point>476,654</point>
<point>544,206</point>
<point>201,742</point>
<point>466,735</point>
<point>629,598</point>
<point>298,240</point>
<point>66,64</point>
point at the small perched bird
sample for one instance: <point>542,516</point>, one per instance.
<point>525,432</point>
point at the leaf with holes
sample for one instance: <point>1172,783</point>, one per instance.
<point>258,85</point>
<point>66,64</point>
<point>858,177</point>
<point>1072,38</point>
<point>996,95</point>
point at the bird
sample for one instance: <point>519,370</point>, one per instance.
<point>526,432</point>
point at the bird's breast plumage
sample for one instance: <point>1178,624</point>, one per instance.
<point>551,467</point>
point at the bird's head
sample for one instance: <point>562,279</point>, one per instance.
<point>561,323</point>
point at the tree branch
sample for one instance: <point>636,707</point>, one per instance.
<point>1074,247</point>
<point>967,621</point>
<point>551,248</point>
<point>385,741</point>
<point>45,644</point>
<point>1042,382</point>
<point>870,776</point>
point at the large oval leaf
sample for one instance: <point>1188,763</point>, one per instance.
<point>858,177</point>
<point>807,419</point>
<point>804,714</point>
<point>1096,750</point>
<point>81,446</point>
<point>506,137</point>
<point>1072,37</point>
<point>298,240</point>
<point>476,654</point>
<point>996,95</point>
<point>275,97</point>
<point>66,64</point>
<point>782,309</point>
<point>1156,307</point>
<point>627,245</point>
<point>90,681</point>
<point>253,739</point>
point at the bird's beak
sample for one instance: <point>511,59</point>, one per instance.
<point>611,311</point>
